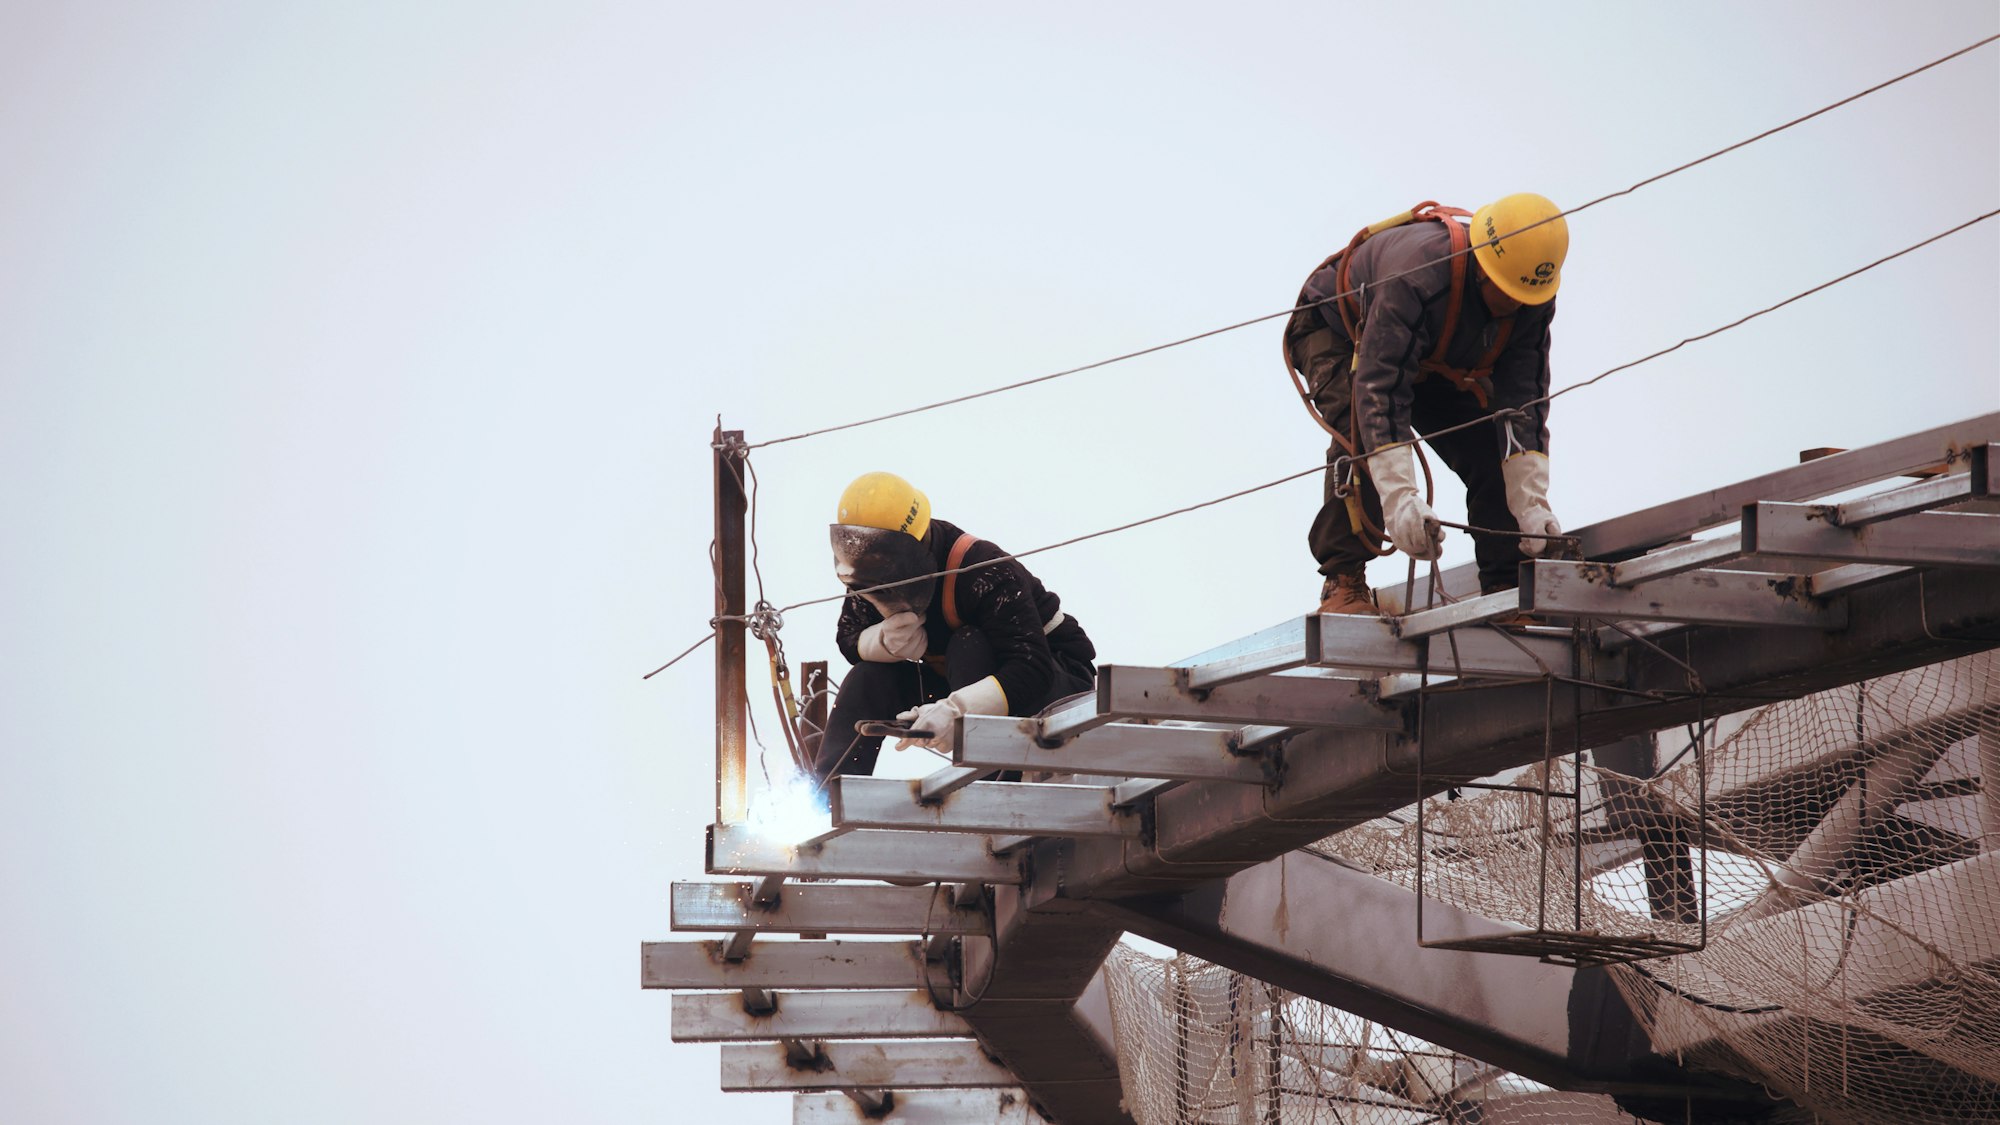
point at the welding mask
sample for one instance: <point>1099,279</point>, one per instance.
<point>865,557</point>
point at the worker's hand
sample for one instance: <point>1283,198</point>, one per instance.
<point>1410,523</point>
<point>984,697</point>
<point>1527,477</point>
<point>899,636</point>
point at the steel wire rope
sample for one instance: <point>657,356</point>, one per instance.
<point>1411,441</point>
<point>1288,311</point>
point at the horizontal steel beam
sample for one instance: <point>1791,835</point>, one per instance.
<point>1663,523</point>
<point>1678,559</point>
<point>940,1064</point>
<point>1937,492</point>
<point>984,807</point>
<point>921,1107</point>
<point>1840,579</point>
<point>1314,699</point>
<point>1459,615</point>
<point>1121,750</point>
<point>720,1017</point>
<point>1290,644</point>
<point>943,782</point>
<point>1925,539</point>
<point>784,964</point>
<point>1624,536</point>
<point>1072,716</point>
<point>1139,788</point>
<point>1709,597</point>
<point>822,908</point>
<point>735,849</point>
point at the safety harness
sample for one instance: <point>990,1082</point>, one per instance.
<point>1310,317</point>
<point>948,596</point>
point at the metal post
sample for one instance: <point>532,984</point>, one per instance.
<point>732,708</point>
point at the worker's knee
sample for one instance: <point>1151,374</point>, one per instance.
<point>969,657</point>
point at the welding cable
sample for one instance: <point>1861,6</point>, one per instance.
<point>1653,179</point>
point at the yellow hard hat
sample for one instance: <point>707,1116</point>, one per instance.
<point>1526,266</point>
<point>885,501</point>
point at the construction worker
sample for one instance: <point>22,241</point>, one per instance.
<point>1428,337</point>
<point>991,640</point>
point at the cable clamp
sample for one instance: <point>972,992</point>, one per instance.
<point>765,621</point>
<point>732,445</point>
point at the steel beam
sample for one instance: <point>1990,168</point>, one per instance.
<point>1624,536</point>
<point>1459,615</point>
<point>1937,492</point>
<point>1487,652</point>
<point>1678,559</point>
<point>1290,644</point>
<point>1310,925</point>
<point>921,1107</point>
<point>783,964</point>
<point>985,807</point>
<point>719,1017</point>
<point>1710,597</point>
<point>940,1064</point>
<point>924,856</point>
<point>1121,750</point>
<point>1926,539</point>
<point>821,908</point>
<point>1310,699</point>
<point>1663,523</point>
<point>1071,717</point>
<point>732,708</point>
<point>944,782</point>
<point>1138,789</point>
<point>1840,579</point>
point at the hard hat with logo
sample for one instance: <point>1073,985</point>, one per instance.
<point>1527,265</point>
<point>878,538</point>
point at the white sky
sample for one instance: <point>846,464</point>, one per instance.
<point>357,367</point>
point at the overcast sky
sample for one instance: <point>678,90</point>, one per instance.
<point>358,362</point>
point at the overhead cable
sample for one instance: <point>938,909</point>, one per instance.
<point>1600,376</point>
<point>1289,310</point>
<point>1821,287</point>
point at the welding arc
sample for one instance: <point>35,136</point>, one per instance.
<point>1288,311</point>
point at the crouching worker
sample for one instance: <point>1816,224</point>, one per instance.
<point>988,641</point>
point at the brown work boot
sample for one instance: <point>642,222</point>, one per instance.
<point>1346,592</point>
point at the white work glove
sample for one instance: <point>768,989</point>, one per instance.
<point>1527,477</point>
<point>900,636</point>
<point>1411,524</point>
<point>984,697</point>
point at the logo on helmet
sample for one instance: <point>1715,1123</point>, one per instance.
<point>910,518</point>
<point>1546,270</point>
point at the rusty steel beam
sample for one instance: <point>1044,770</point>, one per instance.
<point>732,706</point>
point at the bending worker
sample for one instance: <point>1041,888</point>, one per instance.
<point>1429,337</point>
<point>988,641</point>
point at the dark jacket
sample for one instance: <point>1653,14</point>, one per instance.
<point>1400,321</point>
<point>1004,601</point>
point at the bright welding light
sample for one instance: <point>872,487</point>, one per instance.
<point>789,812</point>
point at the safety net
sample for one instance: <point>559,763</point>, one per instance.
<point>1804,896</point>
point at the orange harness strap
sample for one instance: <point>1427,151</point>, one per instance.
<point>952,562</point>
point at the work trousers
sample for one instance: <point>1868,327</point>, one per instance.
<point>1473,454</point>
<point>881,691</point>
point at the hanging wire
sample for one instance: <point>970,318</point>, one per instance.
<point>1288,311</point>
<point>1412,441</point>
